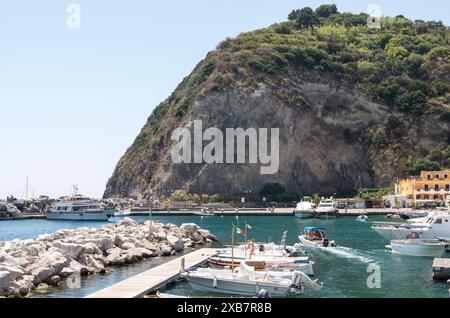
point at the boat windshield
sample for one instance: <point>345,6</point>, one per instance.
<point>315,235</point>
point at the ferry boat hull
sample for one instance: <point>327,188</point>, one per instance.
<point>81,216</point>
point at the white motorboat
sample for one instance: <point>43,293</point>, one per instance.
<point>418,247</point>
<point>327,209</point>
<point>315,237</point>
<point>122,213</point>
<point>305,209</point>
<point>204,212</point>
<point>436,225</point>
<point>248,282</point>
<point>79,208</point>
<point>263,262</point>
<point>414,215</point>
<point>362,218</point>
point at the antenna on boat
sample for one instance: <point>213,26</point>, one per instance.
<point>75,189</point>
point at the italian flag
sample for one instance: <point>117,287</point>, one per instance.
<point>249,227</point>
<point>239,231</point>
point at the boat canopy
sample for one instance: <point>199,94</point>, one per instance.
<point>314,228</point>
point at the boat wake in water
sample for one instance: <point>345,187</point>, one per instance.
<point>349,253</point>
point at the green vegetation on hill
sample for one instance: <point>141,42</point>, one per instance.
<point>436,160</point>
<point>405,64</point>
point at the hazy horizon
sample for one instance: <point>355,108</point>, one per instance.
<point>73,100</point>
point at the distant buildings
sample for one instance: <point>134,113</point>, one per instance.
<point>431,187</point>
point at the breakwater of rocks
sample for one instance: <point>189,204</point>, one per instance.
<point>27,265</point>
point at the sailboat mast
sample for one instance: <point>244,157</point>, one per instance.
<point>26,189</point>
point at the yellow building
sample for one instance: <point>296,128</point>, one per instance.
<point>429,187</point>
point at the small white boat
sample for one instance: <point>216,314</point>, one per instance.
<point>418,247</point>
<point>248,282</point>
<point>263,262</point>
<point>305,209</point>
<point>316,237</point>
<point>327,209</point>
<point>362,218</point>
<point>79,208</point>
<point>414,215</point>
<point>122,213</point>
<point>203,212</point>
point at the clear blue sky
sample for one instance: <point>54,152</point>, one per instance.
<point>72,101</point>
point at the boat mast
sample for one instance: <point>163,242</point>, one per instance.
<point>26,189</point>
<point>245,241</point>
<point>232,246</point>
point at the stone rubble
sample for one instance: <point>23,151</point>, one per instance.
<point>34,265</point>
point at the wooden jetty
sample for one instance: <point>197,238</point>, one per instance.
<point>441,269</point>
<point>152,279</point>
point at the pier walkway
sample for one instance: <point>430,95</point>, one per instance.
<point>152,279</point>
<point>269,212</point>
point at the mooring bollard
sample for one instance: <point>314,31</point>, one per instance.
<point>183,263</point>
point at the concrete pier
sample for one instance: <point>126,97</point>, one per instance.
<point>143,283</point>
<point>441,269</point>
<point>268,212</point>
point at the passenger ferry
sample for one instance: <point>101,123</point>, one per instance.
<point>79,208</point>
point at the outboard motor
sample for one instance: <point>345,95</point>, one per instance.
<point>263,294</point>
<point>333,244</point>
<point>301,280</point>
<point>326,242</point>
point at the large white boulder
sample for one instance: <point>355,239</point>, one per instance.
<point>41,274</point>
<point>105,243</point>
<point>14,271</point>
<point>189,228</point>
<point>175,242</point>
<point>72,250</point>
<point>127,222</point>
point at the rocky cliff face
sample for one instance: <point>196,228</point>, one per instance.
<point>321,132</point>
<point>343,114</point>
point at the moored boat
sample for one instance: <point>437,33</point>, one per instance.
<point>79,208</point>
<point>418,247</point>
<point>248,282</point>
<point>264,263</point>
<point>413,215</point>
<point>305,209</point>
<point>327,209</point>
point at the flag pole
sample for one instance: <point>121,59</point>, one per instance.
<point>232,246</point>
<point>245,241</point>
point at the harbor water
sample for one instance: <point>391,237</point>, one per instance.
<point>344,273</point>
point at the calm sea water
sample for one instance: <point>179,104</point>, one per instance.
<point>343,274</point>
